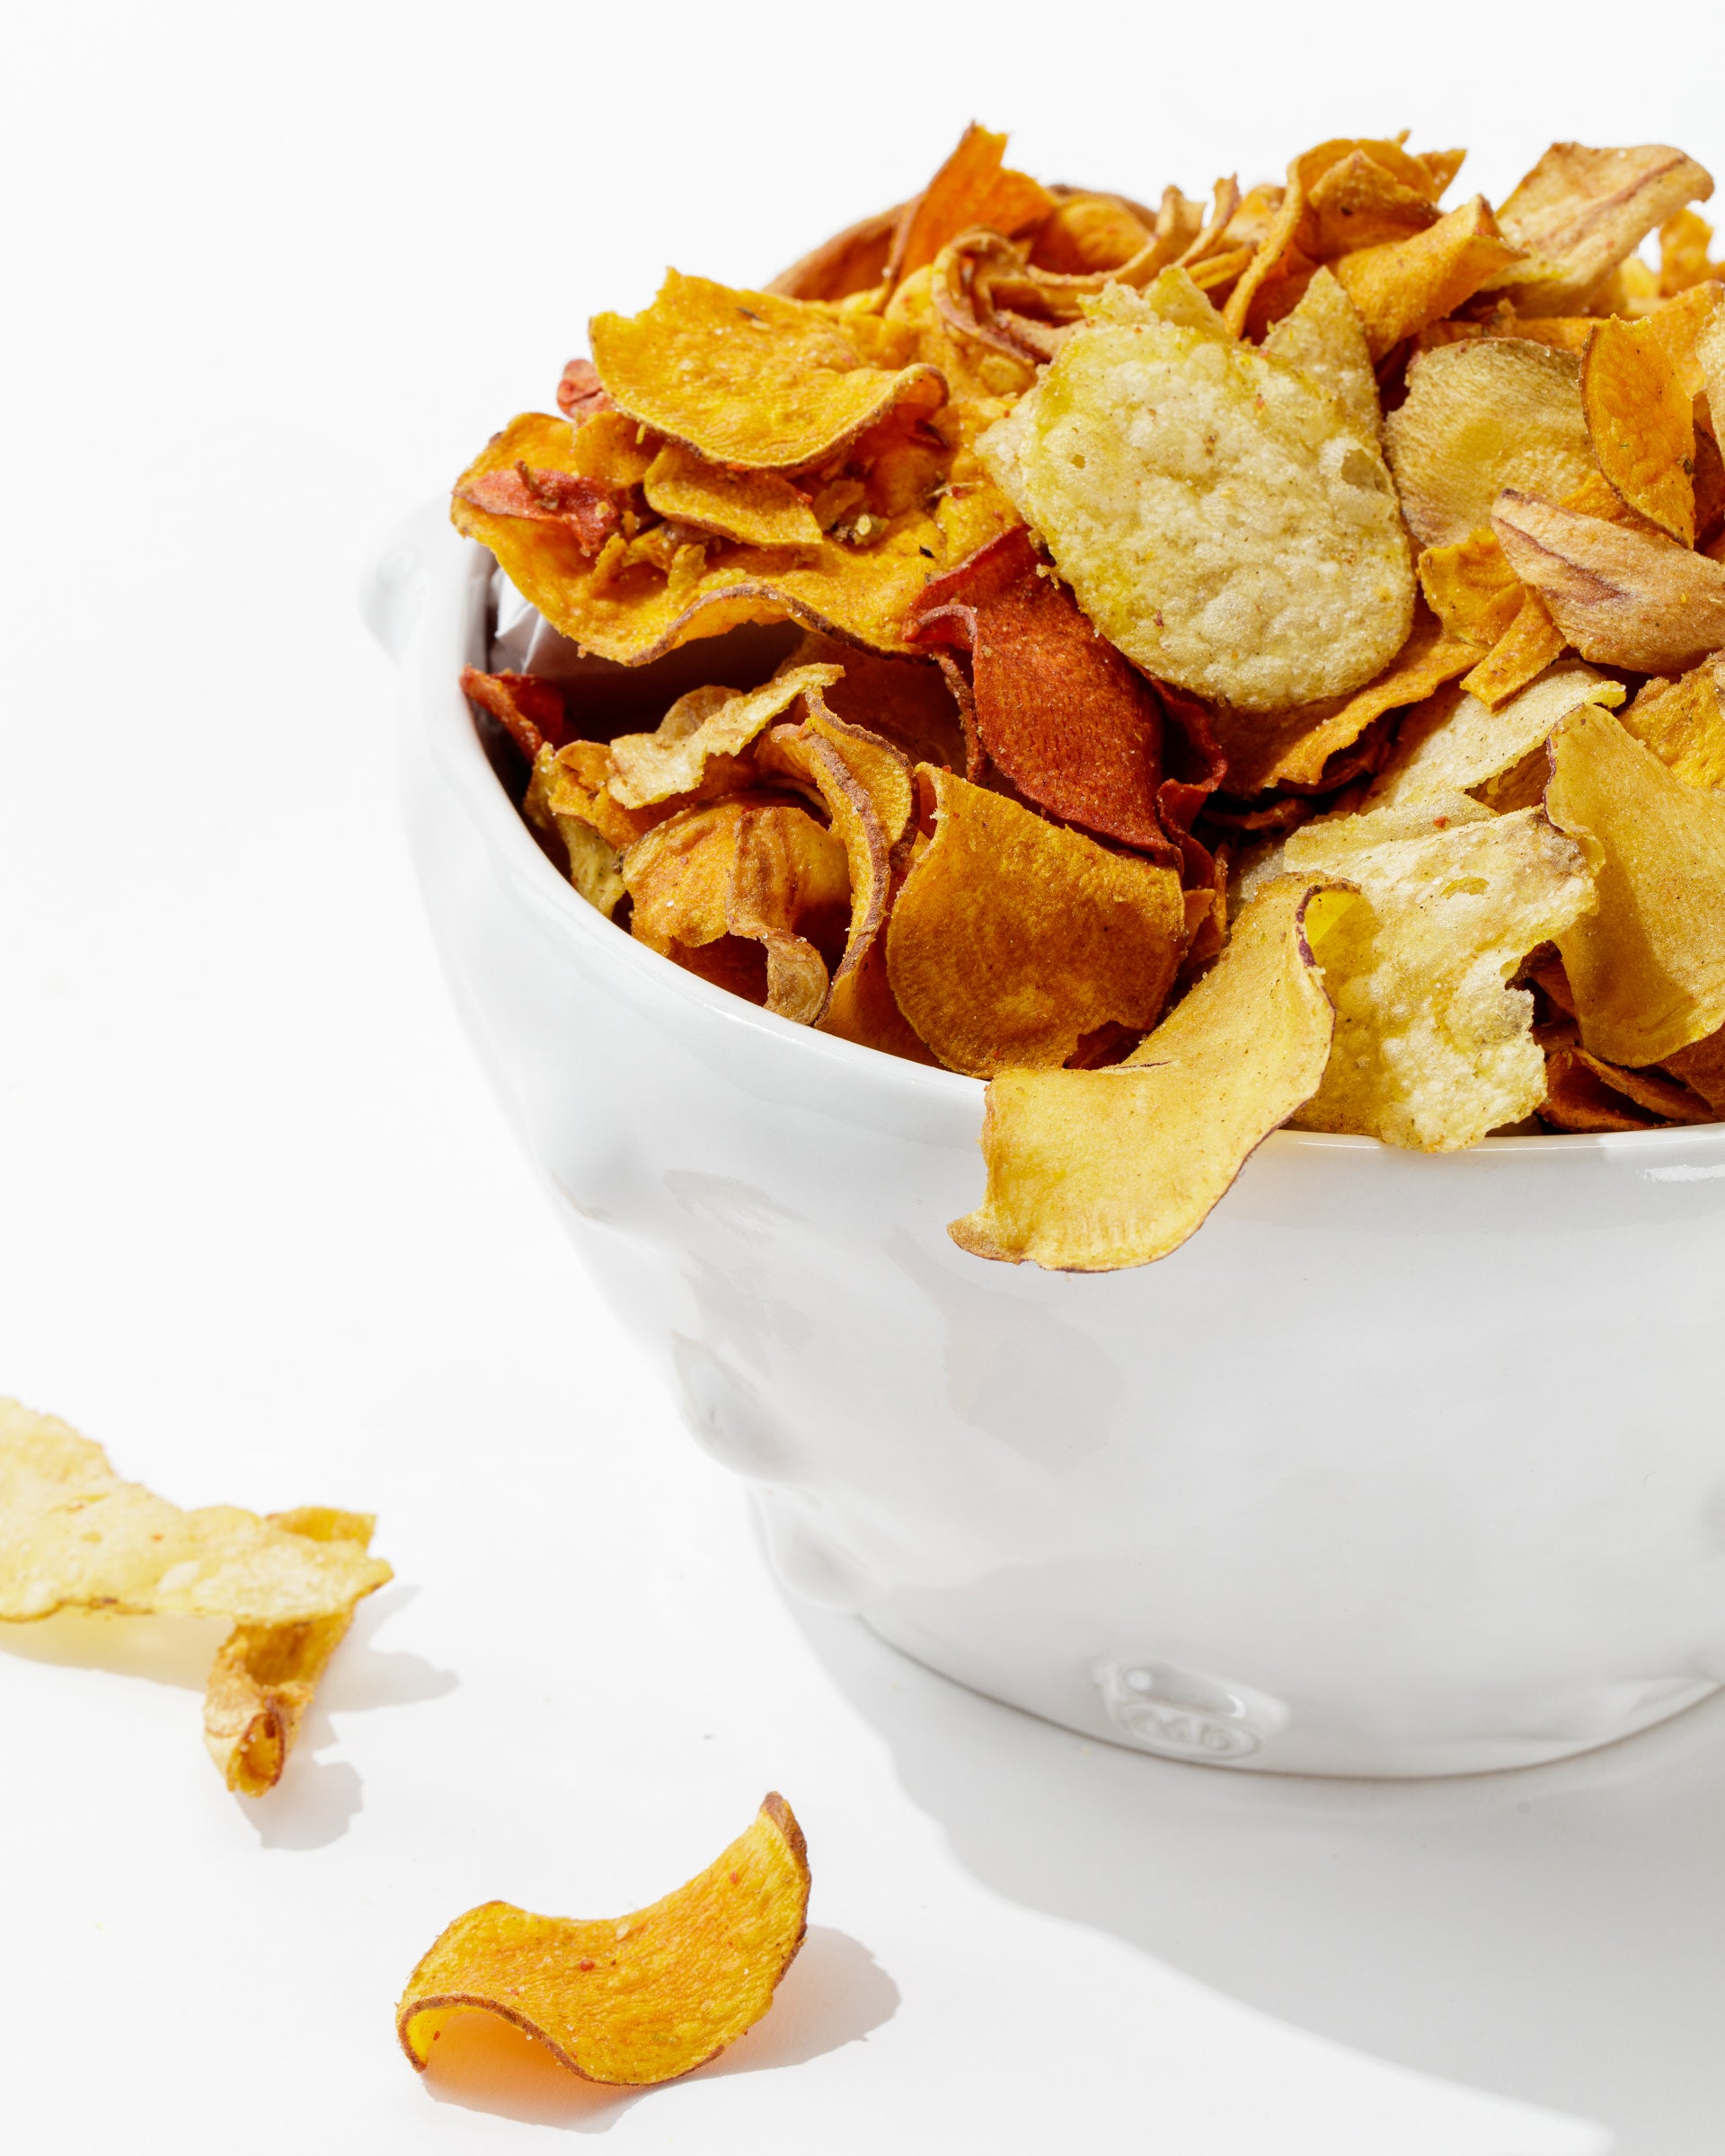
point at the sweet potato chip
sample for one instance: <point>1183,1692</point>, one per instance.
<point>1577,1099</point>
<point>585,508</point>
<point>1072,724</point>
<point>1218,517</point>
<point>1580,212</point>
<point>1621,597</point>
<point>1471,588</point>
<point>264,1676</point>
<point>531,711</point>
<point>1013,939</point>
<point>1292,747</point>
<point>1531,642</point>
<point>1401,286</point>
<point>707,722</point>
<point>1086,233</point>
<point>851,261</point>
<point>1686,240</point>
<point>750,893</point>
<point>1701,1068</point>
<point>1710,360</point>
<point>1481,417</point>
<point>1647,969</point>
<point>1091,1170</point>
<point>569,798</point>
<point>1641,422</point>
<point>74,1536</point>
<point>631,2000</point>
<point>748,379</point>
<point>1433,1049</point>
<point>1358,203</point>
<point>1459,749</point>
<point>755,508</point>
<point>971,189</point>
<point>1683,722</point>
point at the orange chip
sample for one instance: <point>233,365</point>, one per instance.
<point>1621,597</point>
<point>1471,588</point>
<point>853,261</point>
<point>1684,241</point>
<point>1683,722</point>
<point>705,724</point>
<point>755,508</point>
<point>531,711</point>
<point>1701,1068</point>
<point>971,189</point>
<point>1088,232</point>
<point>1071,722</point>
<point>1641,425</point>
<point>1520,654</point>
<point>631,2000</point>
<point>1401,286</point>
<point>748,379</point>
<point>1360,203</point>
<point>904,699</point>
<point>1013,939</point>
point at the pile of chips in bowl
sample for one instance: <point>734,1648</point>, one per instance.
<point>1241,663</point>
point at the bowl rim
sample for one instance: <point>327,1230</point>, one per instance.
<point>454,736</point>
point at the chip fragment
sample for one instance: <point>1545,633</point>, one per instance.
<point>634,2000</point>
<point>1013,938</point>
<point>1217,514</point>
<point>1402,284</point>
<point>707,722</point>
<point>1091,1170</point>
<point>1433,1049</point>
<point>1459,744</point>
<point>74,1536</point>
<point>1647,969</point>
<point>974,188</point>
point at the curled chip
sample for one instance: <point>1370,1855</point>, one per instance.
<point>1013,938</point>
<point>705,723</point>
<point>1218,515</point>
<point>1479,417</point>
<point>1580,212</point>
<point>749,379</point>
<point>1460,744</point>
<point>1622,597</point>
<point>1073,725</point>
<point>1089,1170</point>
<point>1433,1047</point>
<point>1641,422</point>
<point>74,1536</point>
<point>973,187</point>
<point>1647,969</point>
<point>1401,285</point>
<point>636,2000</point>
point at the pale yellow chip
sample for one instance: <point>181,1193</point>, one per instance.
<point>1478,417</point>
<point>1622,597</point>
<point>1647,969</point>
<point>1325,339</point>
<point>1091,1170</point>
<point>1683,722</point>
<point>636,2000</point>
<point>1433,1047</point>
<point>1580,212</point>
<point>1218,515</point>
<point>1458,744</point>
<point>705,723</point>
<point>74,1536</point>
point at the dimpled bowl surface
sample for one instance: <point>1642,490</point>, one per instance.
<point>1402,1465</point>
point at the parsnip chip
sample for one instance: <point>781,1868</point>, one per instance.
<point>1580,212</point>
<point>1458,749</point>
<point>750,893</point>
<point>1683,722</point>
<point>1292,747</point>
<point>631,2000</point>
<point>1091,1170</point>
<point>971,189</point>
<point>705,723</point>
<point>1072,724</point>
<point>264,1676</point>
<point>74,1536</point>
<point>1013,939</point>
<point>1433,1049</point>
<point>1218,517</point>
<point>1478,418</point>
<point>1403,285</point>
<point>1647,969</point>
<point>748,379</point>
<point>1641,422</point>
<point>755,508</point>
<point>1622,597</point>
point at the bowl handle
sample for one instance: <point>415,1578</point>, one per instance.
<point>392,587</point>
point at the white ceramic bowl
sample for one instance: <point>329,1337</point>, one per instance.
<point>1402,1465</point>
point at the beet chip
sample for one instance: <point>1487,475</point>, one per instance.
<point>1072,723</point>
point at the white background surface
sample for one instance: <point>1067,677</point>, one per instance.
<point>273,275</point>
